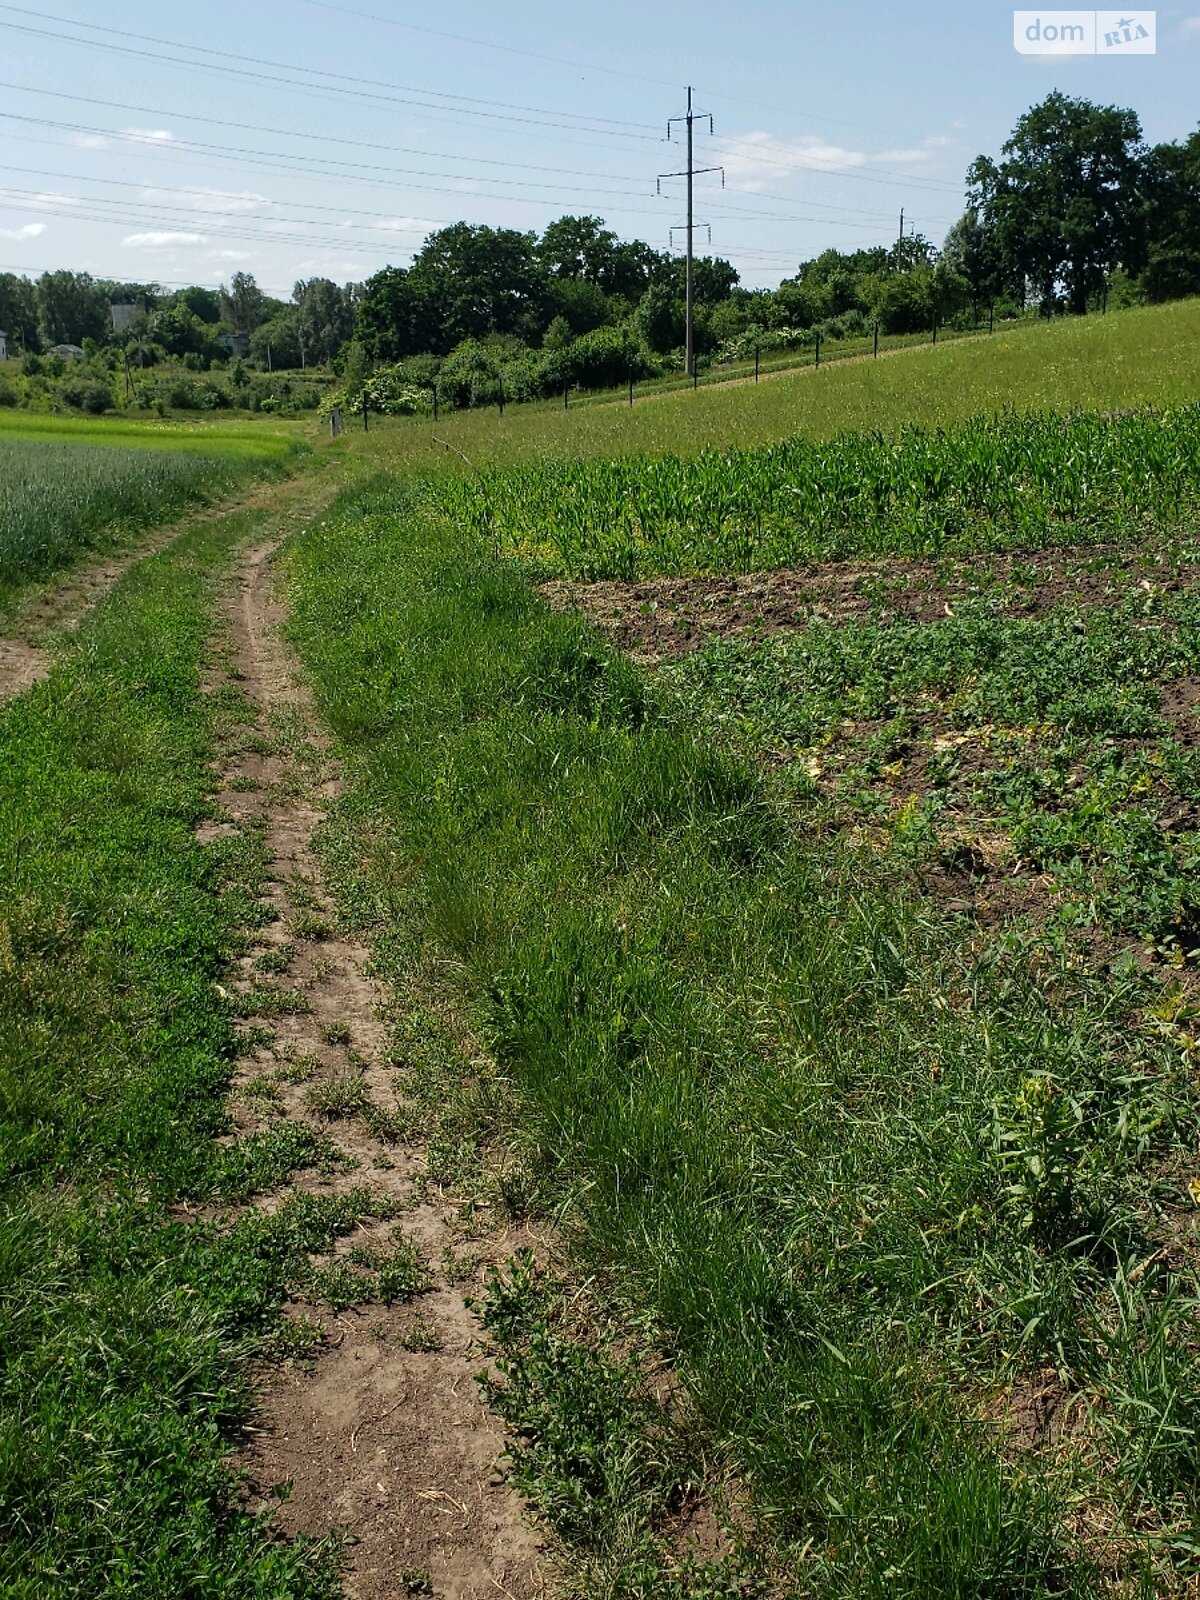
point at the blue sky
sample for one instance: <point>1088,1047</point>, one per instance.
<point>291,138</point>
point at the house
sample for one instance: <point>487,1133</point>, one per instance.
<point>68,352</point>
<point>3,347</point>
<point>124,317</point>
<point>234,344</point>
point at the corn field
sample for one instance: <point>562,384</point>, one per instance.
<point>988,483</point>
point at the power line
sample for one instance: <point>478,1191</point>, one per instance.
<point>487,44</point>
<point>300,133</point>
<point>319,90</point>
<point>690,172</point>
<point>353,172</point>
<point>225,56</point>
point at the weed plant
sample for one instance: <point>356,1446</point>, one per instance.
<point>1048,732</point>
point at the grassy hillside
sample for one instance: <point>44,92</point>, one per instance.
<point>1148,356</point>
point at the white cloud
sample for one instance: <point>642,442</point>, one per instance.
<point>90,141</point>
<point>338,270</point>
<point>399,225</point>
<point>150,135</point>
<point>30,230</point>
<point>753,159</point>
<point>1190,25</point>
<point>209,202</point>
<point>161,241</point>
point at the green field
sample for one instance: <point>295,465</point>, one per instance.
<point>990,483</point>
<point>803,923</point>
<point>71,489</point>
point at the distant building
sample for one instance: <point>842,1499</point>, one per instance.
<point>124,316</point>
<point>235,344</point>
<point>3,347</point>
<point>68,352</point>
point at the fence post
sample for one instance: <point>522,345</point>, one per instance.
<point>366,422</point>
<point>817,358</point>
<point>935,327</point>
<point>876,353</point>
<point>631,386</point>
<point>566,396</point>
<point>433,389</point>
<point>756,363</point>
<point>500,393</point>
<point>695,374</point>
<point>991,317</point>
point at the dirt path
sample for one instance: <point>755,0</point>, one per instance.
<point>65,600</point>
<point>381,1431</point>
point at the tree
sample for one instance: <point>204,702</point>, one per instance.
<point>583,248</point>
<point>970,252</point>
<point>276,342</point>
<point>1173,220</point>
<point>324,318</point>
<point>71,307</point>
<point>18,311</point>
<point>181,333</point>
<point>713,279</point>
<point>243,303</point>
<point>391,320</point>
<point>582,303</point>
<point>475,280</point>
<point>1065,203</point>
<point>201,302</point>
<point>659,318</point>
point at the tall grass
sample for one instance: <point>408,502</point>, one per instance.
<point>858,1186</point>
<point>983,484</point>
<point>57,500</point>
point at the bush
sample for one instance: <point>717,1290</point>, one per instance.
<point>8,395</point>
<point>94,398</point>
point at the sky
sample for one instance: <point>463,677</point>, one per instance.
<point>180,143</point>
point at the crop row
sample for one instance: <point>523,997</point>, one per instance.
<point>988,483</point>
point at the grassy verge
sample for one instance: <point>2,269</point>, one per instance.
<point>869,1186</point>
<point>124,1331</point>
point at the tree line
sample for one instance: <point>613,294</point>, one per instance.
<point>1075,211</point>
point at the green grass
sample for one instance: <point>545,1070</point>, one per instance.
<point>864,1181</point>
<point>258,439</point>
<point>61,500</point>
<point>1144,357</point>
<point>990,483</point>
<point>125,1333</point>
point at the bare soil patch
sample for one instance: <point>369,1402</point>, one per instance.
<point>382,1434</point>
<point>656,619</point>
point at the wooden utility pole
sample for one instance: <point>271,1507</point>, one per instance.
<point>691,172</point>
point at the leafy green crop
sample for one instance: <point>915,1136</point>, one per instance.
<point>988,483</point>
